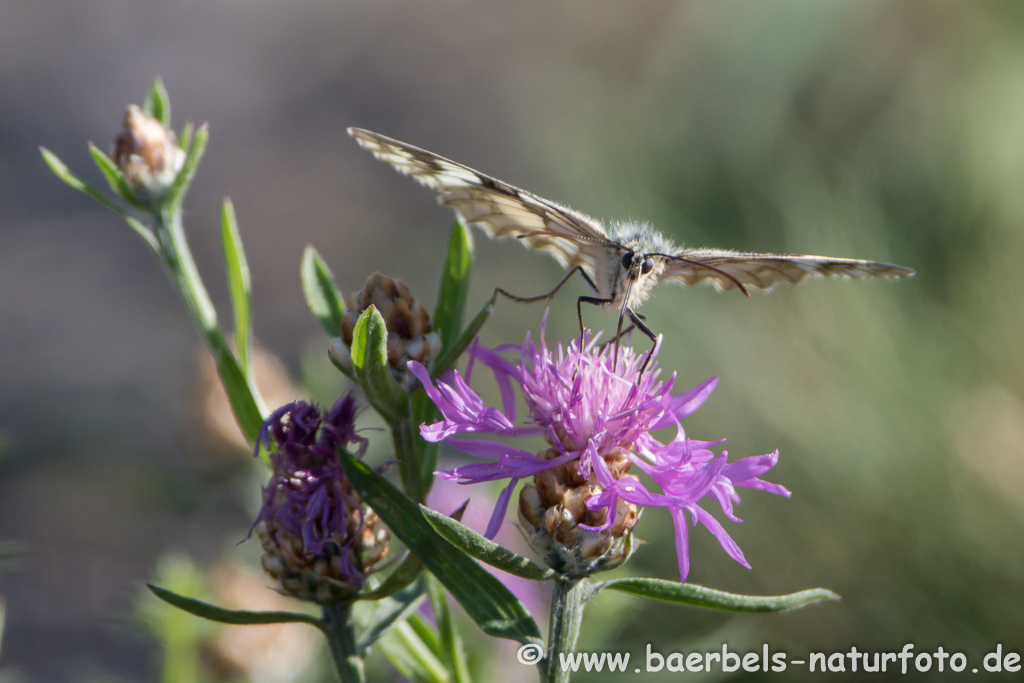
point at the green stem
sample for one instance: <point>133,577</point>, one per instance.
<point>404,435</point>
<point>181,266</point>
<point>341,638</point>
<point>567,602</point>
<point>177,257</point>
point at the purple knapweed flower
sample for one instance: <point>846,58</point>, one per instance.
<point>598,420</point>
<point>320,539</point>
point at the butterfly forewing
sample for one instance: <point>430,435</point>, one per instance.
<point>621,264</point>
<point>764,271</point>
<point>497,207</point>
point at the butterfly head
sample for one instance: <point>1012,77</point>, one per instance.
<point>639,264</point>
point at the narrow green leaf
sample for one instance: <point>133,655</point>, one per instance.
<point>699,596</point>
<point>487,601</point>
<point>115,178</point>
<point>243,403</point>
<point>484,549</point>
<point>408,571</point>
<point>370,361</point>
<point>158,103</point>
<point>451,297</point>
<point>239,285</point>
<point>322,295</point>
<point>185,140</point>
<point>341,358</point>
<point>91,191</point>
<point>453,654</point>
<point>231,616</point>
<point>193,155</point>
<point>411,653</point>
<point>445,361</point>
<point>391,612</point>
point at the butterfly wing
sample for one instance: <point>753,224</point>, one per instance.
<point>502,210</point>
<point>724,268</point>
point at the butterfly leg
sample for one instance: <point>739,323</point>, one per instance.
<point>624,332</point>
<point>638,322</point>
<point>528,299</point>
<point>579,309</point>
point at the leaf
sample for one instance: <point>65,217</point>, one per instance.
<point>486,600</point>
<point>115,178</point>
<point>408,571</point>
<point>341,358</point>
<point>193,155</point>
<point>239,285</point>
<point>484,549</point>
<point>453,653</point>
<point>186,135</point>
<point>445,361</point>
<point>244,405</point>
<point>370,361</point>
<point>391,612</point>
<point>158,103</point>
<point>91,191</point>
<point>230,616</point>
<point>322,295</point>
<point>413,649</point>
<point>699,596</point>
<point>451,298</point>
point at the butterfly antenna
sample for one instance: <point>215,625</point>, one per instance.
<point>721,272</point>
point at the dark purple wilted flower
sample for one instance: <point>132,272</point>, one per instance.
<point>580,510</point>
<point>319,537</point>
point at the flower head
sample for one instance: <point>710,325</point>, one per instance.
<point>319,539</point>
<point>581,507</point>
<point>147,153</point>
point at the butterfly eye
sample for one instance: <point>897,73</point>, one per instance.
<point>627,259</point>
<point>647,265</point>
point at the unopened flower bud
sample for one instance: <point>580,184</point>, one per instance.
<point>410,335</point>
<point>147,153</point>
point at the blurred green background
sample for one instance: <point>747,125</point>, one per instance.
<point>891,131</point>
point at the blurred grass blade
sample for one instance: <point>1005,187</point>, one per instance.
<point>452,651</point>
<point>412,648</point>
<point>91,191</point>
<point>182,181</point>
<point>699,596</point>
<point>230,616</point>
<point>485,549</point>
<point>322,295</point>
<point>391,612</point>
<point>158,103</point>
<point>486,600</point>
<point>115,178</point>
<point>451,298</point>
<point>370,361</point>
<point>446,360</point>
<point>239,285</point>
<point>408,571</point>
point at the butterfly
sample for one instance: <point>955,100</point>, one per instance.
<point>622,262</point>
